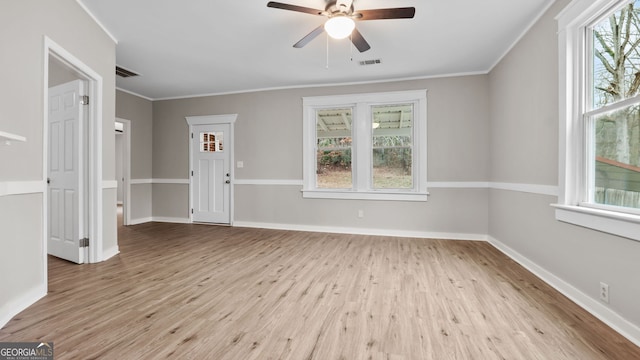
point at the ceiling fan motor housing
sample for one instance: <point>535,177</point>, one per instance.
<point>339,7</point>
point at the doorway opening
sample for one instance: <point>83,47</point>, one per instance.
<point>61,66</point>
<point>123,168</point>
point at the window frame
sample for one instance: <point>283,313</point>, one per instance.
<point>574,84</point>
<point>362,145</point>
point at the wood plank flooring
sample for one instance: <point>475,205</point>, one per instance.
<point>207,292</point>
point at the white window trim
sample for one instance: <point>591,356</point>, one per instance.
<point>360,103</point>
<point>572,148</point>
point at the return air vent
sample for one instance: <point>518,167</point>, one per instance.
<point>122,72</point>
<point>371,62</point>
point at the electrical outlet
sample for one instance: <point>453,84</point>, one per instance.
<point>604,292</point>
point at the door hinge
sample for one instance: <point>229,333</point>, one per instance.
<point>191,172</point>
<point>84,242</point>
<point>84,99</point>
<point>192,211</point>
<point>192,135</point>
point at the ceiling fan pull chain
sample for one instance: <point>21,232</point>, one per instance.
<point>327,66</point>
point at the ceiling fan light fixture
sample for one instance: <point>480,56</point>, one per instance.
<point>339,26</point>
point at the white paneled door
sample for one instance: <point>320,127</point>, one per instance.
<point>211,177</point>
<point>66,180</point>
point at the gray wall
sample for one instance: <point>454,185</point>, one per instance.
<point>140,112</point>
<point>23,25</point>
<point>268,139</point>
<point>524,150</point>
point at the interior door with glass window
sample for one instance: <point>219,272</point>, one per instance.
<point>211,177</point>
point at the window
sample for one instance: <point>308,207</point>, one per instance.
<point>366,146</point>
<point>600,107</point>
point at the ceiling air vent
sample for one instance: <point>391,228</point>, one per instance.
<point>122,72</point>
<point>371,62</point>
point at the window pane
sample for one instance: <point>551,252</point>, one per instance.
<point>211,142</point>
<point>333,135</point>
<point>392,146</point>
<point>616,56</point>
<point>617,161</point>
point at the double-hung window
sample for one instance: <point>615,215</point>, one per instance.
<point>599,43</point>
<point>366,146</point>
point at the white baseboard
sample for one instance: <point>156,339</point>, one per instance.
<point>173,220</point>
<point>606,315</point>
<point>15,306</point>
<point>363,231</point>
<point>109,253</point>
<point>140,221</point>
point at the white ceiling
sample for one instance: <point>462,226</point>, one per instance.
<point>197,47</point>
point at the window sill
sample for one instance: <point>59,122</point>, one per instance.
<point>620,224</point>
<point>362,195</point>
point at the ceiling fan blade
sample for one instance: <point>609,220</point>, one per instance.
<point>302,9</point>
<point>358,40</point>
<point>310,36</point>
<point>380,14</point>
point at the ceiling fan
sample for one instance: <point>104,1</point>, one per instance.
<point>341,23</point>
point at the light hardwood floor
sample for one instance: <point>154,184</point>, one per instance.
<point>208,292</point>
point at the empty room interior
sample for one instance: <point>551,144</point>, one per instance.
<point>239,180</point>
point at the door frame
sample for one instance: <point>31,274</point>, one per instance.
<point>126,171</point>
<point>94,115</point>
<point>229,119</point>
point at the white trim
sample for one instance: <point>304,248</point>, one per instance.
<point>95,19</point>
<point>16,305</point>
<point>163,219</point>
<point>211,119</point>
<point>321,85</point>
<point>612,222</point>
<point>159,181</point>
<point>605,314</point>
<point>285,182</point>
<point>94,89</point>
<point>363,231</point>
<point>109,253</point>
<point>173,220</point>
<point>572,145</point>
<point>459,184</point>
<point>141,181</point>
<point>135,94</point>
<point>109,184</point>
<point>9,137</point>
<point>22,187</point>
<point>550,190</point>
<point>170,181</point>
<point>364,195</point>
<point>229,119</point>
<point>140,221</point>
<point>527,188</point>
<point>361,105</point>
